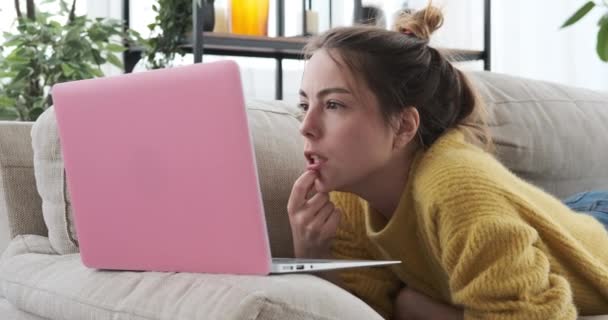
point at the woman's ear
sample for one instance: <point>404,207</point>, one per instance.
<point>406,127</point>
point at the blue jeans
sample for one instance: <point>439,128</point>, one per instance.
<point>594,203</point>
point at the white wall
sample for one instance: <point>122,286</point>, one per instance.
<point>532,45</point>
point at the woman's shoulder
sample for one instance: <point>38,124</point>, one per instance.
<point>452,166</point>
<point>461,185</point>
<point>453,154</point>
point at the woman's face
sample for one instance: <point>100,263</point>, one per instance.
<point>347,140</point>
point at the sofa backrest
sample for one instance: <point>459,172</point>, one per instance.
<point>19,199</point>
<point>551,135</point>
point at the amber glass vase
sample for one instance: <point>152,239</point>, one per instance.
<point>249,17</point>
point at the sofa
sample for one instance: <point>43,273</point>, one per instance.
<point>552,135</point>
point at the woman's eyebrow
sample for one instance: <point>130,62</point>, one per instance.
<point>327,91</point>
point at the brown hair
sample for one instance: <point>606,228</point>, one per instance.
<point>403,71</point>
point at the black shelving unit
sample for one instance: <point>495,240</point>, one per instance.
<point>280,47</point>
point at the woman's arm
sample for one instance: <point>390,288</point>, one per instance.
<point>412,305</point>
<point>496,269</point>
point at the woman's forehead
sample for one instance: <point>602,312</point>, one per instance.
<point>323,67</point>
<point>327,69</point>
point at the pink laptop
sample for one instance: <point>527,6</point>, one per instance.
<point>162,174</point>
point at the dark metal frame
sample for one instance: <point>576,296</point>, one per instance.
<point>280,48</point>
<point>487,35</point>
<point>197,36</point>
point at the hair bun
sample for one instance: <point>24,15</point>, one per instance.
<point>420,23</point>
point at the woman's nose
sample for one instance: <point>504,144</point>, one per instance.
<point>309,127</point>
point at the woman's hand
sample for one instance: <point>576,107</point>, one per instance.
<point>313,220</point>
<point>412,305</point>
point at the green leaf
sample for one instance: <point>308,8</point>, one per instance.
<point>113,47</point>
<point>35,113</point>
<point>7,74</point>
<point>54,25</point>
<point>579,13</point>
<point>64,6</point>
<point>96,72</point>
<point>67,69</point>
<point>8,114</point>
<point>114,22</point>
<point>73,35</point>
<point>114,60</point>
<point>14,42</point>
<point>602,42</point>
<point>22,74</point>
<point>97,58</point>
<point>17,59</point>
<point>6,102</point>
<point>133,33</point>
<point>42,17</point>
<point>603,20</point>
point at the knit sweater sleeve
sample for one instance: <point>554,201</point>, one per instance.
<point>495,266</point>
<point>376,286</point>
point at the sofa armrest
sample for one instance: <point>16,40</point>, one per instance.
<point>19,199</point>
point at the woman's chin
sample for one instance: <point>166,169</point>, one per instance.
<point>323,185</point>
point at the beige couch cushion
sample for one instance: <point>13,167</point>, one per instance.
<point>51,184</point>
<point>8,311</point>
<point>552,135</point>
<point>18,195</point>
<point>278,149</point>
<point>279,156</point>
<point>60,287</point>
<point>35,280</point>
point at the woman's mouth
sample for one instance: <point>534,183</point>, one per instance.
<point>315,161</point>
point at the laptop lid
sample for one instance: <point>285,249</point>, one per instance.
<point>161,171</point>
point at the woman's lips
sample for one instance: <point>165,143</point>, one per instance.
<point>315,162</point>
<point>315,166</point>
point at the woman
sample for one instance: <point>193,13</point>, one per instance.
<point>399,169</point>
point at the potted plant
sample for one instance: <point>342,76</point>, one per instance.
<point>172,27</point>
<point>602,34</point>
<point>49,48</point>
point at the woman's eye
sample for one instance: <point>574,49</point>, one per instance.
<point>333,105</point>
<point>303,106</point>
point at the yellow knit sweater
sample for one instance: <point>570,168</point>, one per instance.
<point>472,234</point>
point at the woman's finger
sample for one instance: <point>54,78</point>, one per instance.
<point>317,201</point>
<point>300,190</point>
<point>331,224</point>
<point>321,216</point>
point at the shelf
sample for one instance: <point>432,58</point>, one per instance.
<point>253,46</point>
<point>282,47</point>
